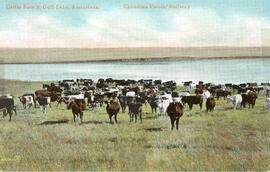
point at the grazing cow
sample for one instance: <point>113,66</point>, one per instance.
<point>222,93</point>
<point>123,103</point>
<point>27,101</point>
<point>235,100</point>
<point>249,98</point>
<point>163,104</point>
<point>135,110</point>
<point>112,109</point>
<point>175,111</point>
<point>77,106</point>
<point>191,100</point>
<point>210,104</point>
<point>267,104</point>
<point>43,102</point>
<point>7,105</point>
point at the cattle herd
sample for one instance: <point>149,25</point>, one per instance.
<point>119,95</point>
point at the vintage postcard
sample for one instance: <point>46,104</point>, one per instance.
<point>134,85</point>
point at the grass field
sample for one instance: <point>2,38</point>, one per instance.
<point>225,139</point>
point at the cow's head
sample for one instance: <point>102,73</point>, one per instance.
<point>22,99</point>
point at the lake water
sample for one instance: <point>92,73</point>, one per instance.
<point>217,71</point>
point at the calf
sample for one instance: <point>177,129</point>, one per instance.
<point>210,104</point>
<point>191,100</point>
<point>175,111</point>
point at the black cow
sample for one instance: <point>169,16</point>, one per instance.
<point>8,105</point>
<point>123,103</point>
<point>135,110</point>
<point>153,101</point>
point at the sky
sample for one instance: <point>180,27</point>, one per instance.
<point>195,23</point>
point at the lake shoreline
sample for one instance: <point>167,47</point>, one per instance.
<point>153,59</point>
<point>142,54</point>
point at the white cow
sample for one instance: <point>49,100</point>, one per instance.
<point>79,96</point>
<point>163,104</point>
<point>235,100</point>
<point>131,94</point>
<point>181,94</point>
<point>206,94</point>
<point>267,90</point>
<point>267,104</point>
<point>191,86</point>
<point>167,96</point>
<point>27,101</point>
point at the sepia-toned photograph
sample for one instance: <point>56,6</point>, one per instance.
<point>134,85</point>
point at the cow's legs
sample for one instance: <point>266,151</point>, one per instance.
<point>81,116</point>
<point>74,117</point>
<point>140,116</point>
<point>135,118</point>
<point>130,117</point>
<point>10,114</point>
<point>115,118</point>
<point>177,123</point>
<point>14,109</point>
<point>200,106</point>
<point>110,116</point>
<point>190,106</point>
<point>172,123</point>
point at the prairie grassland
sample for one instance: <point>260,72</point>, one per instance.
<point>225,139</point>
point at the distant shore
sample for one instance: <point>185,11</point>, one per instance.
<point>83,55</point>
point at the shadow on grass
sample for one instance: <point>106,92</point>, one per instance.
<point>150,117</point>
<point>98,122</point>
<point>64,121</point>
<point>91,122</point>
<point>154,129</point>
